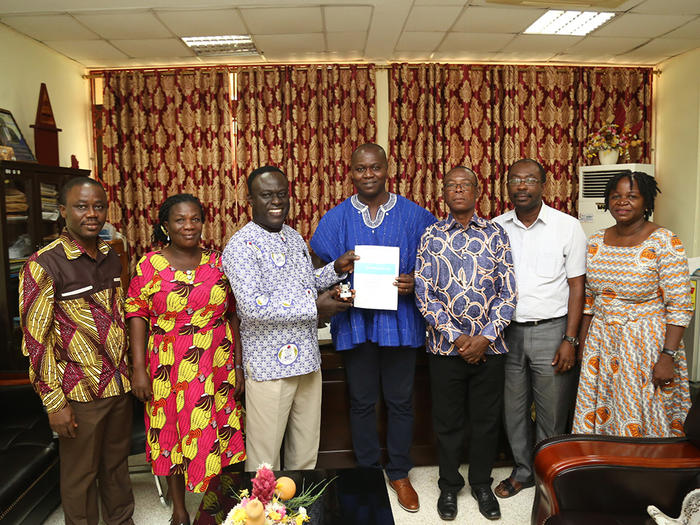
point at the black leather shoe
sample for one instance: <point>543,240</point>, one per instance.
<point>447,505</point>
<point>488,504</point>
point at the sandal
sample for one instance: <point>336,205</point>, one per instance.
<point>507,487</point>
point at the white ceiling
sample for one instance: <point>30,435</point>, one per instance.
<point>132,33</point>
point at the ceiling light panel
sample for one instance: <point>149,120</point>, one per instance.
<point>574,23</point>
<point>221,45</point>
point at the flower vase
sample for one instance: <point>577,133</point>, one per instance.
<point>608,156</point>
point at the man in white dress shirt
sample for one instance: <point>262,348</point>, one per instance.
<point>549,256</point>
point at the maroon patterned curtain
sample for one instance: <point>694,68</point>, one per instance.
<point>487,117</point>
<point>307,120</point>
<point>168,132</point>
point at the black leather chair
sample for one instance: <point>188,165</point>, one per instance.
<point>29,466</point>
<point>586,479</point>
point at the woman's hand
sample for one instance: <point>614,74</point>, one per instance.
<point>141,385</point>
<point>662,373</point>
<point>239,389</point>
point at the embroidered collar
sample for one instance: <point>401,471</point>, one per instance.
<point>74,250</point>
<point>381,212</point>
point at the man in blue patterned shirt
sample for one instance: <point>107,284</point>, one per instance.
<point>277,300</point>
<point>465,289</point>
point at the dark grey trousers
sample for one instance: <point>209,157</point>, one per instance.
<point>529,376</point>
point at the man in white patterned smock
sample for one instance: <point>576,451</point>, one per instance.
<point>277,301</point>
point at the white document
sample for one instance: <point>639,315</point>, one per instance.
<point>374,276</point>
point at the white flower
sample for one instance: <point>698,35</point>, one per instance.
<point>235,516</point>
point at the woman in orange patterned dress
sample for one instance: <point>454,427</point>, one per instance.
<point>186,355</point>
<point>634,376</point>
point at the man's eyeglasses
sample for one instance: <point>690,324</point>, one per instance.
<point>529,181</point>
<point>463,186</point>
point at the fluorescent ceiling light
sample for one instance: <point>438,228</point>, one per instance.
<point>577,23</point>
<point>221,45</point>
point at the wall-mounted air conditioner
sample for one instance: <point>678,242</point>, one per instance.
<point>591,193</point>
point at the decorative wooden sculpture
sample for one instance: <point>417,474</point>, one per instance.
<point>45,131</point>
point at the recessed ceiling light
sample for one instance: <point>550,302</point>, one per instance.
<point>577,23</point>
<point>221,45</point>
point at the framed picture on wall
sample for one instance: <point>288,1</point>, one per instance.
<point>11,136</point>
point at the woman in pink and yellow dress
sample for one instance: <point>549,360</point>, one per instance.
<point>634,376</point>
<point>186,355</point>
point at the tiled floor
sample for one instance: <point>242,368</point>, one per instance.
<point>515,510</point>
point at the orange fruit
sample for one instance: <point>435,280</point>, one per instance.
<point>285,488</point>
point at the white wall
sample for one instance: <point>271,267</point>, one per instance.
<point>383,108</point>
<point>24,65</point>
<point>678,148</point>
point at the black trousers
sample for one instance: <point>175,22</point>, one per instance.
<point>462,395</point>
<point>368,368</point>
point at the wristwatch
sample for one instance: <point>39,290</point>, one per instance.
<point>670,352</point>
<point>569,339</point>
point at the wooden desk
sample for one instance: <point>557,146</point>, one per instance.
<point>335,449</point>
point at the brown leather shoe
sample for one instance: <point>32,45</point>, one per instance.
<point>408,499</point>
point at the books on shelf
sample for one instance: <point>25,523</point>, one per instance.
<point>49,201</point>
<point>15,202</point>
<point>48,190</point>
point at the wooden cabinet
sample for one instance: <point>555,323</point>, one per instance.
<point>29,220</point>
<point>335,447</point>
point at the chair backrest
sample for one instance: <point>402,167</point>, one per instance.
<point>585,473</point>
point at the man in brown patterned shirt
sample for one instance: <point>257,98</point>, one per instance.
<point>71,310</point>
